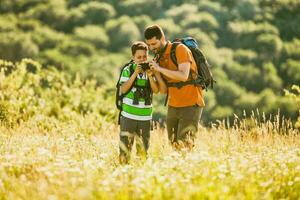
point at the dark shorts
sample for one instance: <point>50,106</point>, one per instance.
<point>131,129</point>
<point>182,123</point>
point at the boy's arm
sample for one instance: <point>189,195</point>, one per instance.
<point>163,89</point>
<point>153,83</point>
<point>127,85</point>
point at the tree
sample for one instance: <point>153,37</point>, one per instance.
<point>152,8</point>
<point>95,35</point>
<point>287,11</point>
<point>181,12</point>
<point>96,12</point>
<point>244,34</point>
<point>291,50</point>
<point>166,4</point>
<point>247,76</point>
<point>246,9</point>
<point>8,23</point>
<point>16,45</point>
<point>123,32</point>
<point>201,37</point>
<point>221,112</point>
<point>210,104</point>
<point>52,13</point>
<point>47,38</point>
<point>291,72</point>
<point>227,92</point>
<point>18,6</point>
<point>269,46</point>
<point>203,20</point>
<point>271,78</point>
<point>247,102</point>
<point>245,56</point>
<point>76,3</point>
<point>267,101</point>
<point>171,30</point>
<point>76,48</point>
<point>142,21</point>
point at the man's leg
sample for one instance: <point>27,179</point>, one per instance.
<point>172,124</point>
<point>188,125</point>
<point>127,127</point>
<point>143,137</point>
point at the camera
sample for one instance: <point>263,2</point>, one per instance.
<point>145,66</point>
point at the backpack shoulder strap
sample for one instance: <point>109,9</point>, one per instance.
<point>129,64</point>
<point>173,52</point>
<point>131,70</point>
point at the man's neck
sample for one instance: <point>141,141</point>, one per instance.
<point>164,43</point>
<point>163,46</point>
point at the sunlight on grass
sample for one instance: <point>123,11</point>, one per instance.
<point>226,163</point>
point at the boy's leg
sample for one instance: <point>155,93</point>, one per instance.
<point>188,125</point>
<point>128,128</point>
<point>143,137</point>
<point>172,124</point>
<point>126,142</point>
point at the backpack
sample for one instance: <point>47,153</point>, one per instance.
<point>205,77</point>
<point>120,96</point>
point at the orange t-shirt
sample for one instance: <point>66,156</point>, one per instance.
<point>187,95</point>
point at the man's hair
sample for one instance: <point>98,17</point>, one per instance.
<point>153,31</point>
<point>138,46</point>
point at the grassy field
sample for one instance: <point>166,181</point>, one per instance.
<point>67,163</point>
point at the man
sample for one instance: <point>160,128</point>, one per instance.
<point>185,104</point>
<point>137,86</point>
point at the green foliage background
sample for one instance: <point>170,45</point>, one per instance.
<point>252,45</point>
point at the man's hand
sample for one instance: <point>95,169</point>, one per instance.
<point>154,66</point>
<point>181,74</point>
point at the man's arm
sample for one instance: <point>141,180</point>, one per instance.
<point>182,74</point>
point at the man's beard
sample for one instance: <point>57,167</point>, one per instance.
<point>159,49</point>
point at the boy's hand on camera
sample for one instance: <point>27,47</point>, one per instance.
<point>149,72</point>
<point>138,70</point>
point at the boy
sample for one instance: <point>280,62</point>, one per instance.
<point>137,86</point>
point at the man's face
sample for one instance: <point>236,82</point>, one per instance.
<point>140,56</point>
<point>154,44</point>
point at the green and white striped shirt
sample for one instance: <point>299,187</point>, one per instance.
<point>141,111</point>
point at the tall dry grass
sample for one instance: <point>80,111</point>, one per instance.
<point>251,160</point>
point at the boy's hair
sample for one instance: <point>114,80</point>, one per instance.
<point>153,31</point>
<point>138,46</point>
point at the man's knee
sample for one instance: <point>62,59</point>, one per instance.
<point>187,129</point>
<point>172,124</point>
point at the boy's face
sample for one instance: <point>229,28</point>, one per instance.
<point>140,56</point>
<point>154,44</point>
